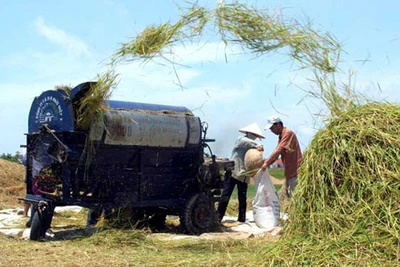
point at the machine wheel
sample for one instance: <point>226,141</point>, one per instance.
<point>199,215</point>
<point>38,226</point>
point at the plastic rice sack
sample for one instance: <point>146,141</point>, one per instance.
<point>266,208</point>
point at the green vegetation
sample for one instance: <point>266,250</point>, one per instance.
<point>277,173</point>
<point>10,157</point>
<point>352,206</point>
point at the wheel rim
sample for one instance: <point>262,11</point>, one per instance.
<point>198,216</point>
<point>201,214</point>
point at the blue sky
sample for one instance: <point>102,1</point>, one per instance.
<point>48,43</point>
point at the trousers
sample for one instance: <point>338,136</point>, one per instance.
<point>229,185</point>
<point>290,185</point>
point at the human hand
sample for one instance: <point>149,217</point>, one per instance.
<point>264,166</point>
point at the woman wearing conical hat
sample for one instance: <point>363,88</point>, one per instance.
<point>238,177</point>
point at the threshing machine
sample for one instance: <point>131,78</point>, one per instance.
<point>151,160</point>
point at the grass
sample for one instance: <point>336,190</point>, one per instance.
<point>129,247</point>
<point>277,173</point>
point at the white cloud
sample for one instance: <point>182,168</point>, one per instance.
<point>74,45</point>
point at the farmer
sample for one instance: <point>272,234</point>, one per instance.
<point>238,176</point>
<point>289,149</point>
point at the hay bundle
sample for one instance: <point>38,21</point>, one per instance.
<point>253,160</point>
<point>350,179</point>
<point>237,23</point>
<point>154,39</point>
<point>149,42</point>
<point>66,88</point>
<point>262,33</point>
<point>91,106</point>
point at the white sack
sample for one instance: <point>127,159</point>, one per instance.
<point>266,208</point>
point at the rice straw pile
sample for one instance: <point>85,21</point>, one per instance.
<point>346,207</point>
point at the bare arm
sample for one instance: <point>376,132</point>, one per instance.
<point>284,144</point>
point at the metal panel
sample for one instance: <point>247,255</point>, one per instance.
<point>147,129</point>
<point>194,130</point>
<point>52,108</point>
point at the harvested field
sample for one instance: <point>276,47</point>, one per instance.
<point>12,183</point>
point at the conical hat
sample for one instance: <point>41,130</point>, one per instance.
<point>252,128</point>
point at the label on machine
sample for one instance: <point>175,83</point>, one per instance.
<point>141,128</point>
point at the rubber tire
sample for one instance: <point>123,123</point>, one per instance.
<point>199,215</point>
<point>38,226</point>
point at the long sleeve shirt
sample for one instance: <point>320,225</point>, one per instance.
<point>242,145</point>
<point>289,149</point>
